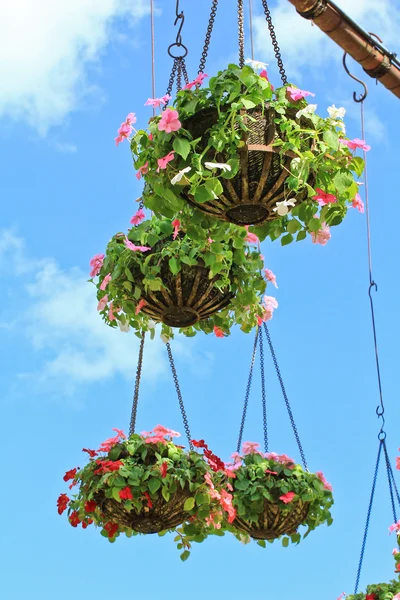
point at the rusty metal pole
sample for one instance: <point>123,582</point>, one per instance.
<point>376,61</point>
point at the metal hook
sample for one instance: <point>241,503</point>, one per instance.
<point>365,94</point>
<point>181,18</point>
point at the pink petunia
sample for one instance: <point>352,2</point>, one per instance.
<point>287,498</point>
<point>96,263</point>
<point>358,203</point>
<point>169,121</point>
<point>324,198</point>
<point>198,81</point>
<point>251,238</point>
<point>218,332</point>
<point>140,305</point>
<point>176,225</point>
<point>157,102</point>
<point>269,276</point>
<point>250,448</point>
<point>105,282</point>
<point>134,248</point>
<point>163,162</point>
<point>295,94</point>
<point>356,143</point>
<point>138,217</point>
<point>102,303</point>
<point>322,236</point>
<point>142,170</point>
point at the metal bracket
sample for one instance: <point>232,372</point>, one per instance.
<point>315,11</point>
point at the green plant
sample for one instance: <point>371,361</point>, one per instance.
<point>379,591</point>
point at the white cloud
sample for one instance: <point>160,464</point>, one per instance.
<point>303,43</point>
<point>46,48</point>
<point>65,147</point>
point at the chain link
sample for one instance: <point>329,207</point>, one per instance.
<point>184,71</point>
<point>171,80</point>
<point>241,32</point>
<point>247,395</point>
<point>277,50</point>
<point>289,409</point>
<point>132,424</point>
<point>180,399</point>
<point>263,394</point>
<point>388,472</point>
<point>179,76</point>
<point>207,41</point>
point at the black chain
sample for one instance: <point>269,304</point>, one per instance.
<point>132,424</point>
<point>179,76</point>
<point>278,372</point>
<point>388,470</point>
<point>180,399</point>
<point>207,41</point>
<point>172,79</point>
<point>246,399</point>
<point>396,491</point>
<point>184,71</point>
<point>241,32</point>
<point>263,394</point>
<point>277,50</point>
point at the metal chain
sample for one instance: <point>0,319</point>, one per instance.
<point>184,71</point>
<point>171,80</point>
<point>388,469</point>
<point>396,491</point>
<point>241,32</point>
<point>132,424</point>
<point>180,399</point>
<point>289,409</point>
<point>263,394</point>
<point>277,50</point>
<point>179,76</point>
<point>207,41</point>
<point>246,399</point>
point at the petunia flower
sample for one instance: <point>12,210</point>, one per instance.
<point>135,248</point>
<point>96,263</point>
<point>163,162</point>
<point>287,498</point>
<point>251,238</point>
<point>105,282</point>
<point>223,166</point>
<point>102,303</point>
<point>198,81</point>
<point>336,113</point>
<point>142,170</point>
<point>176,225</point>
<point>322,236</point>
<point>218,332</point>
<point>124,327</point>
<point>269,276</point>
<point>179,175</point>
<point>324,198</point>
<point>356,143</point>
<point>138,217</point>
<point>294,94</point>
<point>358,203</point>
<point>256,64</point>
<point>157,102</point>
<point>140,305</point>
<point>169,121</point>
<point>307,111</point>
<point>282,208</point>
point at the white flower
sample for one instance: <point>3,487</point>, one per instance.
<point>307,111</point>
<point>124,326</point>
<point>223,166</point>
<point>165,338</point>
<point>244,538</point>
<point>256,64</point>
<point>179,175</point>
<point>151,324</point>
<point>339,124</point>
<point>336,113</point>
<point>282,208</point>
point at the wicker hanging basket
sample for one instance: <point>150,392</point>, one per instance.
<point>188,297</point>
<point>274,521</point>
<point>160,517</point>
<point>251,195</point>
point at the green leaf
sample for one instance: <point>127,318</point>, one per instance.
<point>165,494</point>
<point>115,493</point>
<point>358,165</point>
<point>154,484</point>
<point>189,504</point>
<point>247,102</point>
<point>301,235</point>
<point>174,265</point>
<point>214,185</point>
<point>242,484</point>
<point>185,555</point>
<point>342,181</point>
<point>314,225</point>
<point>285,542</point>
<point>293,226</point>
<point>287,239</point>
<point>203,194</point>
<point>181,147</point>
<point>331,139</point>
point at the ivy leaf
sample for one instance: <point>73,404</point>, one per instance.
<point>189,504</point>
<point>181,147</point>
<point>358,164</point>
<point>154,484</point>
<point>242,484</point>
<point>115,493</point>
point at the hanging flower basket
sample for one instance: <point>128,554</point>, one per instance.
<point>273,496</point>
<point>145,484</point>
<point>245,153</point>
<point>380,591</point>
<point>158,273</point>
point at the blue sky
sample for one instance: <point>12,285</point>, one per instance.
<point>67,379</point>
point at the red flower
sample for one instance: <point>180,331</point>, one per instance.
<point>70,474</point>
<point>213,460</point>
<point>271,472</point>
<point>126,494</point>
<point>75,482</point>
<point>370,597</point>
<point>84,525</point>
<point>149,502</point>
<point>90,506</point>
<point>74,519</point>
<point>89,521</point>
<point>62,503</point>
<point>111,529</point>
<point>164,469</point>
<point>199,444</point>
<point>92,453</point>
<point>287,498</point>
<point>106,466</point>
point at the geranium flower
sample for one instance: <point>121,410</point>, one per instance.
<point>90,506</point>
<point>342,595</point>
<point>96,263</point>
<point>140,305</point>
<point>218,332</point>
<point>322,236</point>
<point>176,225</point>
<point>324,198</point>
<point>157,102</point>
<point>336,113</point>
<point>250,448</point>
<point>163,162</point>
<point>269,276</point>
<point>295,94</point>
<point>105,282</point>
<point>142,170</point>
<point>125,129</point>
<point>111,316</point>
<point>126,493</point>
<point>92,453</point>
<point>138,217</point>
<point>287,498</point>
<point>251,238</point>
<point>109,443</point>
<point>282,208</point>
<point>74,519</point>
<point>130,119</point>
<point>256,64</point>
<point>223,166</point>
<point>135,248</point>
<point>70,474</point>
<point>169,121</point>
<point>198,81</point>
<point>395,551</point>
<point>62,503</point>
<point>358,203</point>
<point>160,430</point>
<point>356,143</point>
<point>179,175</point>
<point>102,303</point>
<point>111,529</point>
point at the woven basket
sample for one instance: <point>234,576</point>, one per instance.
<point>250,196</point>
<point>274,521</point>
<point>188,297</point>
<point>161,516</point>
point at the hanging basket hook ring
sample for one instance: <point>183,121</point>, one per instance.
<point>183,49</point>
<point>363,96</point>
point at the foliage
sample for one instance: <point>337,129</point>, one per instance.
<point>312,140</point>
<point>379,591</point>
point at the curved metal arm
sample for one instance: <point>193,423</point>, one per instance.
<point>362,97</point>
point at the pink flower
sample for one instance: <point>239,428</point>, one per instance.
<point>322,236</point>
<point>398,462</point>
<point>270,277</point>
<point>358,203</point>
<point>163,162</point>
<point>111,316</point>
<point>236,457</point>
<point>394,527</point>
<point>287,498</point>
<point>111,442</point>
<point>102,303</point>
<point>157,102</point>
<point>134,248</point>
<point>251,238</point>
<point>160,431</point>
<point>264,74</point>
<point>105,282</point>
<point>119,433</point>
<point>395,551</point>
<point>96,263</point>
<point>356,143</point>
<point>267,471</point>
<point>397,596</point>
<point>142,170</point>
<point>250,448</point>
<point>131,119</point>
<point>321,476</point>
<point>324,198</point>
<point>125,129</point>
<point>138,217</point>
<point>269,304</point>
<point>226,504</point>
<point>169,121</point>
<point>342,595</point>
<point>198,81</point>
<point>218,332</point>
<point>176,225</point>
<point>140,305</point>
<point>295,94</point>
